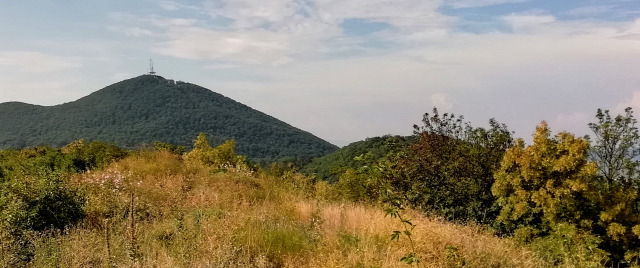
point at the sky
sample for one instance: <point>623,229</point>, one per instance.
<point>343,70</point>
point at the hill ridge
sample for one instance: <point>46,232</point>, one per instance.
<point>149,108</point>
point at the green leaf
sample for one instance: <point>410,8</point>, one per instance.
<point>410,258</point>
<point>395,236</point>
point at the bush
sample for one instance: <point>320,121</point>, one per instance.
<point>39,204</point>
<point>221,156</point>
<point>36,204</point>
<point>567,245</point>
<point>96,154</point>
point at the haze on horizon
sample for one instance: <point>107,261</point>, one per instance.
<point>342,70</point>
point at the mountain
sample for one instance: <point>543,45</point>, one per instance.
<point>151,108</point>
<point>329,167</point>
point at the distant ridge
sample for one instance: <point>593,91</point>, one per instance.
<point>151,108</point>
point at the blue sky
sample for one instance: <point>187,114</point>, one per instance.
<point>341,69</point>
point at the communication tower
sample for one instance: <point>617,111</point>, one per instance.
<point>151,71</point>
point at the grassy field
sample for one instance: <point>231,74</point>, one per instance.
<point>154,210</point>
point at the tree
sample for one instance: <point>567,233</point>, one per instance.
<point>616,146</point>
<point>174,149</point>
<point>615,149</point>
<point>546,183</point>
<point>217,157</point>
<point>448,169</point>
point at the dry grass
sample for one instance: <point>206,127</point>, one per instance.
<point>190,216</point>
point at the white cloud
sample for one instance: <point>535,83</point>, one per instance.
<point>403,14</point>
<point>169,5</point>
<point>480,3</point>
<point>276,32</point>
<point>523,22</point>
<point>278,14</point>
<point>248,47</point>
<point>590,10</point>
<point>132,31</point>
<point>633,102</point>
<point>546,68</point>
<point>249,14</point>
<point>38,92</point>
<point>442,101</point>
<point>561,72</point>
<point>36,62</point>
<point>173,6</point>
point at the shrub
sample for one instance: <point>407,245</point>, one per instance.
<point>219,157</point>
<point>36,204</point>
<point>39,204</point>
<point>90,155</point>
<point>569,246</point>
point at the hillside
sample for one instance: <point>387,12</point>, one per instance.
<point>330,166</point>
<point>157,209</point>
<point>150,108</point>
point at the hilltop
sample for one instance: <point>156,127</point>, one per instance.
<point>150,108</point>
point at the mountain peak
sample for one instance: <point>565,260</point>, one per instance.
<point>149,108</point>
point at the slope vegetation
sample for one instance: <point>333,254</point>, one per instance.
<point>156,209</point>
<point>329,167</point>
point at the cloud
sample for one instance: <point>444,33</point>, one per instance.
<point>590,10</point>
<point>633,102</point>
<point>38,92</point>
<point>442,101</point>
<point>277,14</point>
<point>280,31</point>
<point>523,22</point>
<point>36,62</point>
<point>250,14</point>
<point>543,67</point>
<point>132,31</point>
<point>173,6</point>
<point>169,5</point>
<point>248,47</point>
<point>561,72</point>
<point>479,3</point>
<point>404,15</point>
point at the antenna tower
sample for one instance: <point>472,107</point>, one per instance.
<point>151,71</point>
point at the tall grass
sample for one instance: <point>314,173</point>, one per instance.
<point>192,216</point>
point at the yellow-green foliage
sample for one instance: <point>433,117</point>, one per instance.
<point>551,197</point>
<point>221,156</point>
<point>182,215</point>
<point>545,183</point>
<point>357,186</point>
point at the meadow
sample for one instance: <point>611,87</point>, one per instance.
<point>153,209</point>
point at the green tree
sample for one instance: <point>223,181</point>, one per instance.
<point>174,149</point>
<point>90,155</point>
<point>218,157</point>
<point>616,146</point>
<point>448,168</point>
<point>615,150</point>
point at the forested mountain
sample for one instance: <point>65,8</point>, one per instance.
<point>151,108</point>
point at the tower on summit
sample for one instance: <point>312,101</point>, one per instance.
<point>151,71</point>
